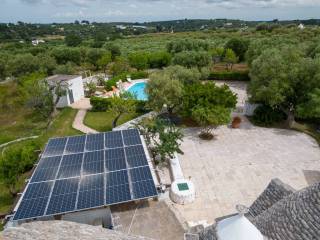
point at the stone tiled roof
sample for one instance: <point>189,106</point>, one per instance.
<point>62,230</point>
<point>295,217</point>
<point>275,191</point>
<point>280,213</point>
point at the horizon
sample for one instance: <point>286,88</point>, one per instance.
<point>165,20</point>
<point>108,11</point>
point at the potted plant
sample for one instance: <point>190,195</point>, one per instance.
<point>236,122</point>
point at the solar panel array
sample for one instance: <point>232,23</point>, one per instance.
<point>90,171</point>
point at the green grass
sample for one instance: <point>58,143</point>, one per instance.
<point>102,121</point>
<point>61,126</point>
<point>16,119</point>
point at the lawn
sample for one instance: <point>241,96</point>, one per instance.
<point>16,119</point>
<point>102,121</point>
<point>61,126</point>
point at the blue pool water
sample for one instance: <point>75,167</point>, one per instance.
<point>138,90</point>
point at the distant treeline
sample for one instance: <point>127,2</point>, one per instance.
<point>27,31</point>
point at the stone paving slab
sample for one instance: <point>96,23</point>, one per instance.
<point>151,219</point>
<point>237,166</point>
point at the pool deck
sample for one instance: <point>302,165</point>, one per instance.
<point>125,86</point>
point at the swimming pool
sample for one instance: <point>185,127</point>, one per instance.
<point>138,90</point>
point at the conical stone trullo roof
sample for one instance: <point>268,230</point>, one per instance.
<point>295,217</point>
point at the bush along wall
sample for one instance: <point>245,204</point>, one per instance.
<point>99,104</point>
<point>229,76</point>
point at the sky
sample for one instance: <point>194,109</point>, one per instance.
<point>48,11</point>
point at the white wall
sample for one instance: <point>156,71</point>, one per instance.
<point>76,85</point>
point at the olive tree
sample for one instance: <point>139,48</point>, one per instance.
<point>164,89</point>
<point>284,79</point>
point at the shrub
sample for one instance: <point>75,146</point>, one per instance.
<point>138,75</point>
<point>229,76</point>
<point>113,81</point>
<point>159,59</point>
<point>266,115</point>
<point>14,161</point>
<point>99,104</point>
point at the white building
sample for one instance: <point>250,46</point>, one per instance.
<point>301,26</point>
<point>73,85</point>
<point>37,42</point>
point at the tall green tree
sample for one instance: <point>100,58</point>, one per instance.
<point>163,137</point>
<point>285,80</point>
<point>73,40</point>
<point>139,60</point>
<point>104,61</point>
<point>239,47</point>
<point>191,59</point>
<point>230,58</point>
<point>123,104</point>
<point>164,89</point>
<point>119,66</point>
<point>209,105</point>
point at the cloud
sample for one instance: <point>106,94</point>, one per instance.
<point>220,3</point>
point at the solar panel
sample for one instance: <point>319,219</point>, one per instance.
<point>140,174</point>
<point>95,142</point>
<point>70,166</point>
<point>75,144</point>
<point>31,208</point>
<point>135,156</point>
<point>91,192</point>
<point>117,178</point>
<point>143,189</point>
<point>131,137</point>
<point>55,147</point>
<point>115,159</point>
<point>118,194</point>
<point>84,172</point>
<point>38,190</point>
<point>34,201</point>
<point>63,198</point>
<point>93,163</point>
<point>113,139</point>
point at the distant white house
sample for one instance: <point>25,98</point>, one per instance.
<point>301,26</point>
<point>73,84</point>
<point>121,27</point>
<point>37,42</point>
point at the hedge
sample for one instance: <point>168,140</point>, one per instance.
<point>229,76</point>
<point>99,104</point>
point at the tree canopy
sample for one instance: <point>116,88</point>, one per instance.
<point>164,89</point>
<point>284,79</point>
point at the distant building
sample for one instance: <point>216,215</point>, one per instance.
<point>37,42</point>
<point>73,85</point>
<point>301,26</point>
<point>138,26</point>
<point>121,27</point>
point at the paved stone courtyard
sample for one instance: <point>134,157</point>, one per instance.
<point>237,166</point>
<point>150,219</point>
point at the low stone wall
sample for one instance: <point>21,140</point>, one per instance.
<point>131,123</point>
<point>275,191</point>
